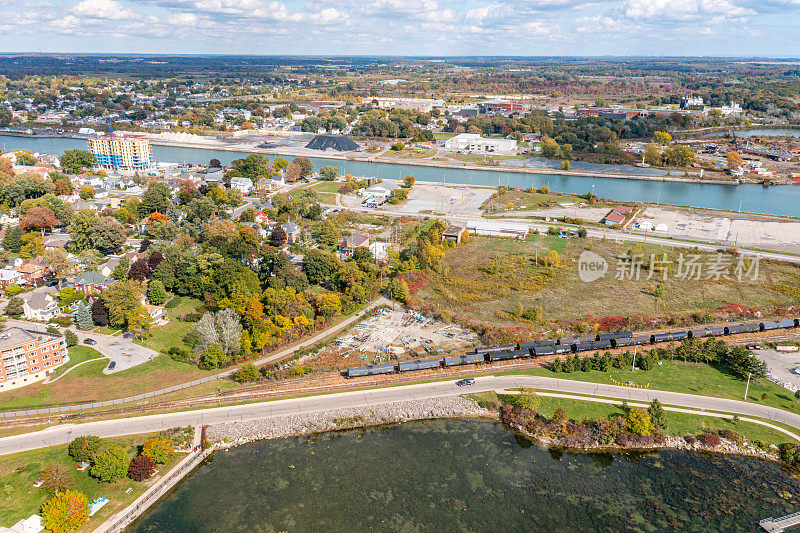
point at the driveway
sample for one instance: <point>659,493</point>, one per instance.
<point>121,350</point>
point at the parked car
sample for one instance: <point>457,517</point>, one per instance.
<point>90,342</point>
<point>467,381</point>
<point>112,365</point>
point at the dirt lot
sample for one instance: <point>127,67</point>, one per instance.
<point>440,199</point>
<point>769,233</point>
<point>393,335</point>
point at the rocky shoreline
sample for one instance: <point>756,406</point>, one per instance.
<point>231,434</point>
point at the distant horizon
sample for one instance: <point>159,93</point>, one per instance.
<point>440,28</point>
<point>399,56</point>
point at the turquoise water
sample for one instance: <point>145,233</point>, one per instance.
<point>451,475</point>
<point>765,132</point>
<point>783,200</point>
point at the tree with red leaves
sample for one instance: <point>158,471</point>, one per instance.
<point>39,217</point>
<point>141,468</point>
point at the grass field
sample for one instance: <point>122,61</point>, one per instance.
<point>19,471</point>
<point>87,383</point>
<point>164,337</point>
<point>486,278</point>
<point>326,191</point>
<point>690,378</point>
<point>678,423</point>
<point>77,354</point>
<point>522,199</point>
<point>411,153</point>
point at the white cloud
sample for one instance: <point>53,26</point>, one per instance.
<point>183,19</point>
<point>103,9</point>
<point>682,10</point>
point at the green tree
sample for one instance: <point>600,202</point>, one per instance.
<point>662,138</point>
<point>214,357</point>
<point>139,322</point>
<point>66,511</point>
<point>329,172</point>
<point>80,230</point>
<point>529,399</point>
<point>14,307</point>
<point>550,148</point>
<point>84,449</point>
<point>121,299</point>
<point>120,272</point>
<point>652,155</point>
<point>56,477</point>
<point>12,241</point>
<point>108,234</point>
<point>247,372</point>
<point>565,165</point>
<point>86,193</point>
<point>111,464</point>
<point>83,318</point>
<point>409,180</point>
<point>399,289</point>
<point>72,339</point>
<point>155,199</point>
<point>657,415</point>
<point>76,161</point>
<point>638,422</point>
<point>156,292</point>
<point>252,166</point>
<point>306,168</point>
<point>160,449</point>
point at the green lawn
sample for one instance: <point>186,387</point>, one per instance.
<point>679,423</point>
<point>77,354</point>
<point>87,383</point>
<point>443,135</point>
<point>164,337</point>
<point>19,471</point>
<point>690,378</point>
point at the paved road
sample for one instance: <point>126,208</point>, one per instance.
<point>364,399</point>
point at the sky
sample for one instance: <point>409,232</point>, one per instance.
<point>767,28</point>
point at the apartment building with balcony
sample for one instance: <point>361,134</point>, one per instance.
<point>29,356</point>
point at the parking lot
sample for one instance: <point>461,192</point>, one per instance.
<point>782,366</point>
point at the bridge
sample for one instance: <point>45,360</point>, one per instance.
<point>777,525</point>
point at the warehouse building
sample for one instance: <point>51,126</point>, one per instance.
<point>474,143</point>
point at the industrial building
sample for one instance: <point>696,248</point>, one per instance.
<point>29,356</point>
<point>121,151</point>
<point>494,107</point>
<point>423,105</point>
<point>473,142</point>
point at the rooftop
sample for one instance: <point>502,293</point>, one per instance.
<point>15,336</point>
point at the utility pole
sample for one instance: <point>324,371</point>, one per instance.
<point>747,387</point>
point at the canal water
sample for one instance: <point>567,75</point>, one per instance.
<point>453,475</point>
<point>779,200</point>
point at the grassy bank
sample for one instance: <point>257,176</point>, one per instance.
<point>19,471</point>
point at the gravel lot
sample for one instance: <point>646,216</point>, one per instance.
<point>780,366</point>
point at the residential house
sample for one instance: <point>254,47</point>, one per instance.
<point>56,241</point>
<point>34,272</point>
<point>348,246</point>
<point>211,175</point>
<point>293,232</point>
<point>381,190</point>
<point>39,306</point>
<point>109,266</point>
<point>9,277</point>
<point>243,185</point>
<point>262,217</point>
<point>91,282</point>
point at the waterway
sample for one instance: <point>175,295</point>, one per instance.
<point>452,475</point>
<point>781,200</point>
<point>765,132</point>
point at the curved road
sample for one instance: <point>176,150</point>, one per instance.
<point>128,426</point>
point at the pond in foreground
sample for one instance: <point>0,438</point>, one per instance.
<point>451,475</point>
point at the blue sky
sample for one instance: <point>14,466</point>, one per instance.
<point>405,27</point>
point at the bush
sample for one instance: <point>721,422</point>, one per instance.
<point>690,439</point>
<point>84,449</point>
<point>246,372</point>
<point>61,321</point>
<point>192,317</point>
<point>710,440</point>
<point>552,230</point>
<point>582,233</point>
<point>159,449</point>
<point>180,354</point>
<point>111,464</point>
<point>141,468</point>
<point>790,453</point>
<point>65,512</point>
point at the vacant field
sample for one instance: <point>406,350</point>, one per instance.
<point>522,199</point>
<point>18,472</point>
<point>411,153</point>
<point>487,278</point>
<point>326,191</point>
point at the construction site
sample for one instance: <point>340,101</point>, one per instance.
<point>392,335</point>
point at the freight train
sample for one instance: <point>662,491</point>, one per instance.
<point>567,345</point>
